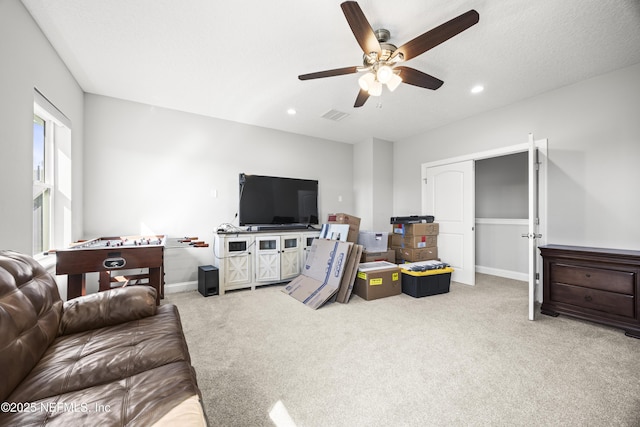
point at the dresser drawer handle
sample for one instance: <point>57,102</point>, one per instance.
<point>588,298</point>
<point>588,275</point>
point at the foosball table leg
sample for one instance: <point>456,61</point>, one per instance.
<point>76,286</point>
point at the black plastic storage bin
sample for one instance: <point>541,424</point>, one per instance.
<point>425,285</point>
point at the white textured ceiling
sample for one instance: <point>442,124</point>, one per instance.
<point>239,60</point>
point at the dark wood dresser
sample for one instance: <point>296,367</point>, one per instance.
<point>600,285</point>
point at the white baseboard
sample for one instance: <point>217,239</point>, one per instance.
<point>515,275</point>
<point>174,288</point>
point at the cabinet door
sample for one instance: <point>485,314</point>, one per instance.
<point>307,242</point>
<point>238,270</point>
<point>267,268</point>
<point>290,256</point>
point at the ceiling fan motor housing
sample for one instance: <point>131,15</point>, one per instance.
<point>386,49</point>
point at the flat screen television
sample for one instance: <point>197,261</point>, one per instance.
<point>270,200</point>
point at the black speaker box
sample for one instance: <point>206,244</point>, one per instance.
<point>208,283</point>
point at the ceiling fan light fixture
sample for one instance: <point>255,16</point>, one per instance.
<point>366,81</point>
<point>375,89</point>
<point>384,74</point>
<point>394,82</point>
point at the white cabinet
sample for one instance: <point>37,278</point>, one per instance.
<point>247,260</point>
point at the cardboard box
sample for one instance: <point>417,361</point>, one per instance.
<point>349,278</point>
<point>321,274</point>
<point>413,255</point>
<point>343,218</point>
<point>426,283</point>
<point>416,242</point>
<point>389,256</point>
<point>374,241</point>
<point>377,280</point>
<point>424,229</point>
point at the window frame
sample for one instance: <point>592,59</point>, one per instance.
<point>47,187</point>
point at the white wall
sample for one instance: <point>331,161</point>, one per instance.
<point>373,183</point>
<point>593,133</point>
<point>362,177</point>
<point>382,183</point>
<point>154,170</point>
<point>28,61</point>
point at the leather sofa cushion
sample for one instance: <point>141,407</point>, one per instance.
<point>95,357</point>
<point>30,312</point>
<point>188,413</point>
<point>138,400</point>
<point>107,308</point>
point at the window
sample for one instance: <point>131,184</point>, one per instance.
<point>51,176</point>
<point>42,185</point>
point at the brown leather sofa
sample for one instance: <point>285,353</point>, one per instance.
<point>111,358</point>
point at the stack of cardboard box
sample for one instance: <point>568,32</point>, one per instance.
<point>415,242</point>
<point>328,273</point>
<point>331,266</point>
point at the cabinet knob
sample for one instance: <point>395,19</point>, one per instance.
<point>588,298</point>
<point>588,275</point>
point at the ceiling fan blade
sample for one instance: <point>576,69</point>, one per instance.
<point>362,97</point>
<point>360,27</point>
<point>440,34</point>
<point>329,73</point>
<point>418,78</point>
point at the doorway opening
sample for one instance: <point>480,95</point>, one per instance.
<point>501,216</point>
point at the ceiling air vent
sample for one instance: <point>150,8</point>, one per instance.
<point>334,115</point>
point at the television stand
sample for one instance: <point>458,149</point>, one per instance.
<point>256,258</point>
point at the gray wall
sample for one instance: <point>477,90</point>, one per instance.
<point>593,134</point>
<point>28,62</point>
<point>502,187</point>
<point>154,170</point>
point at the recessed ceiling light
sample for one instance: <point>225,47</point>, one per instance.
<point>291,111</point>
<point>477,89</point>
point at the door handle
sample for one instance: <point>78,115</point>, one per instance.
<point>532,236</point>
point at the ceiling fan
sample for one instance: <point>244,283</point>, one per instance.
<point>381,59</point>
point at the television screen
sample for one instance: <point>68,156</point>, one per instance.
<point>279,201</point>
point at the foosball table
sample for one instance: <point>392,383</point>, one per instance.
<point>108,254</point>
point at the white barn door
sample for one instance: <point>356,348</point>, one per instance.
<point>532,234</point>
<point>537,186</point>
<point>449,195</point>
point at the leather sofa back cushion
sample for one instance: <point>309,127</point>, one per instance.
<point>108,308</point>
<point>30,312</point>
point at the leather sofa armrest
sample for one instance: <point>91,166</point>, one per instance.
<point>107,308</point>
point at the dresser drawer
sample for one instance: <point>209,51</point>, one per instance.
<point>608,302</point>
<point>595,278</point>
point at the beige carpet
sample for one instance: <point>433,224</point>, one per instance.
<point>466,358</point>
